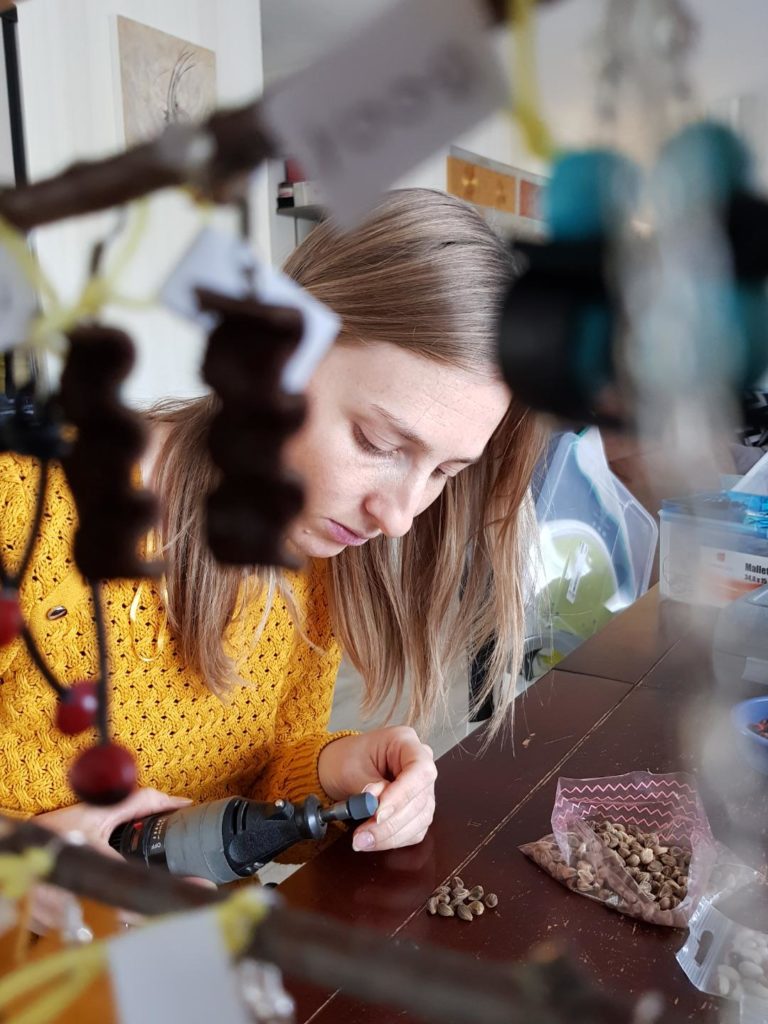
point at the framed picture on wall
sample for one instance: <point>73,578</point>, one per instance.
<point>508,197</point>
<point>164,80</point>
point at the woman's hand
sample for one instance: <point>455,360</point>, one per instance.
<point>95,825</point>
<point>395,766</point>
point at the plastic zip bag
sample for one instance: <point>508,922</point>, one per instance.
<point>664,811</point>
<point>727,958</point>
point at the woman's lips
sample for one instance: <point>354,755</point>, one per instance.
<point>343,535</point>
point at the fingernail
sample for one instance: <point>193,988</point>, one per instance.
<point>369,787</point>
<point>363,841</point>
<point>383,813</point>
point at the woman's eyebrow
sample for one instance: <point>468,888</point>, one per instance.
<point>408,434</point>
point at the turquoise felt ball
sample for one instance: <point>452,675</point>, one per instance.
<point>588,191</point>
<point>703,164</point>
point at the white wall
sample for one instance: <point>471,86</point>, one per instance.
<point>73,109</point>
<point>727,60</point>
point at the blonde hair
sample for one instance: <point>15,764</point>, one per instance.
<point>427,274</point>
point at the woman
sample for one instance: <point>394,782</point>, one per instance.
<point>417,465</point>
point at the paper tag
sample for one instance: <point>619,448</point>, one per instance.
<point>18,302</point>
<point>223,263</point>
<point>177,969</point>
<point>409,82</point>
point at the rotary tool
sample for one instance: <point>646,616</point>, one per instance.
<point>231,838</point>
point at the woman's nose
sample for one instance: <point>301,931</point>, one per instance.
<point>394,512</point>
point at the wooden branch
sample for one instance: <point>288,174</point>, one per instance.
<point>215,157</point>
<point>438,985</point>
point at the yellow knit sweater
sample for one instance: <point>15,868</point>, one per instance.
<point>263,742</point>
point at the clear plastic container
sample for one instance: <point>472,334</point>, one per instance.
<point>711,553</point>
<point>597,546</point>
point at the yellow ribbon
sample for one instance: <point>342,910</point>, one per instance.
<point>65,975</point>
<point>98,292</point>
<point>18,874</point>
<point>525,100</point>
<point>240,916</point>
<point>60,979</point>
<point>20,871</point>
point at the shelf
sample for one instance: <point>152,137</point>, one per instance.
<point>302,212</point>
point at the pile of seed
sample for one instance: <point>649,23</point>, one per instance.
<point>660,870</point>
<point>457,900</point>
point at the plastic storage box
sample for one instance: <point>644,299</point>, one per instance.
<point>712,549</point>
<point>597,546</point>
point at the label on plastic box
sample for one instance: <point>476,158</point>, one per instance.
<point>412,80</point>
<point>727,575</point>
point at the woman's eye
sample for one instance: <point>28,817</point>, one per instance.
<point>369,446</point>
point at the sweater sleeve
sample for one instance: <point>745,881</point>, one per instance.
<point>301,727</point>
<point>302,730</point>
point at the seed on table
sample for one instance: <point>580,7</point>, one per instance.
<point>464,912</point>
<point>491,900</point>
<point>476,892</point>
<point>477,908</point>
<point>460,893</point>
<point>444,910</point>
<point>457,883</point>
<point>442,889</point>
<point>444,897</point>
<point>432,905</point>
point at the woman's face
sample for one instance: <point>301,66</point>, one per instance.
<point>386,429</point>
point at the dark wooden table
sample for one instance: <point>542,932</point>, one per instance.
<point>640,695</point>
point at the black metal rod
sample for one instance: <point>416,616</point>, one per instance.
<point>10,19</point>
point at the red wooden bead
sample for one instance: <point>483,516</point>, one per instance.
<point>77,708</point>
<point>103,775</point>
<point>11,619</point>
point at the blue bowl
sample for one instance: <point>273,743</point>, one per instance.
<point>753,747</point>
